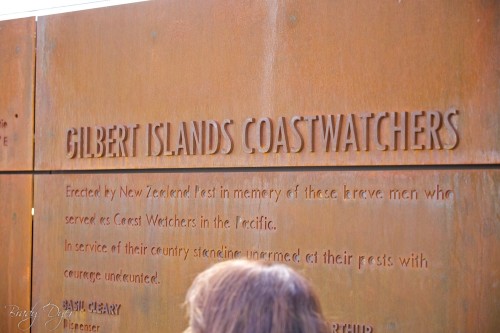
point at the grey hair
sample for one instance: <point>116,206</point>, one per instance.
<point>240,296</point>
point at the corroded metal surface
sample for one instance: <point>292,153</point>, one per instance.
<point>167,84</point>
<point>412,251</point>
<point>15,246</point>
<point>17,74</point>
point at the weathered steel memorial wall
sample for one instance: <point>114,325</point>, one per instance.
<point>357,142</point>
<point>17,73</point>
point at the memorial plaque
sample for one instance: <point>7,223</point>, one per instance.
<point>406,251</point>
<point>15,246</point>
<point>168,84</point>
<point>17,73</point>
<point>220,85</point>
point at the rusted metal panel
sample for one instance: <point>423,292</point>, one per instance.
<point>412,251</point>
<point>15,246</point>
<point>269,84</point>
<point>17,74</point>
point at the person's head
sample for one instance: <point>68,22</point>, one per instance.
<point>240,296</point>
